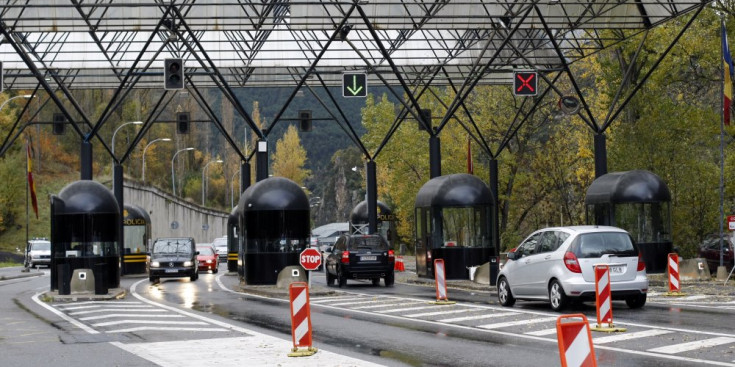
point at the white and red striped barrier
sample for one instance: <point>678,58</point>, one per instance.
<point>674,284</point>
<point>300,319</point>
<point>441,283</point>
<point>603,298</point>
<point>575,341</point>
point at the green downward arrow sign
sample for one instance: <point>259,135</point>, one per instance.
<point>355,89</point>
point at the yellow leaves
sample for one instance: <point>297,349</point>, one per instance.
<point>290,157</point>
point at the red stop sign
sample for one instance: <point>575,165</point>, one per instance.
<point>310,259</point>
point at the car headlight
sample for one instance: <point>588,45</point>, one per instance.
<point>155,264</point>
<point>209,261</point>
<point>187,263</point>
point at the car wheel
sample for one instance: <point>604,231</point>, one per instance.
<point>390,278</point>
<point>557,296</point>
<point>330,279</point>
<point>194,277</point>
<point>505,297</point>
<point>636,301</point>
<point>153,279</point>
<point>341,278</point>
<point>376,282</point>
<point>215,270</point>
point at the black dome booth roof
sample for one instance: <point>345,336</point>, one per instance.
<point>637,186</point>
<point>87,197</point>
<point>273,193</point>
<point>136,212</point>
<point>456,190</point>
<point>360,213</point>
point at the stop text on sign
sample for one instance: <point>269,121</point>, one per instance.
<point>310,259</point>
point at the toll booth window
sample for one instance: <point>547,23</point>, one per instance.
<point>276,231</point>
<point>646,222</point>
<point>465,227</point>
<point>135,239</point>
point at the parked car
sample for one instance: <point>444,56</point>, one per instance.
<point>173,257</point>
<point>220,245</point>
<point>360,257</point>
<point>38,252</point>
<point>207,258</point>
<point>710,251</point>
<point>557,265</point>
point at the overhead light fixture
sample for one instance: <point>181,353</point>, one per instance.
<point>344,31</point>
<point>262,146</point>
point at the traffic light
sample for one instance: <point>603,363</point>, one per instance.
<point>173,74</point>
<point>426,116</point>
<point>305,120</point>
<point>182,122</point>
<point>525,83</point>
<point>59,124</point>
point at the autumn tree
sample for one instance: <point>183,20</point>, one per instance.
<point>290,157</point>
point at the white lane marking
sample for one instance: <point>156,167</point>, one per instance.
<point>149,322</point>
<point>125,315</point>
<point>629,336</point>
<point>116,303</point>
<point>542,332</point>
<point>439,313</point>
<point>238,351</point>
<point>516,323</point>
<point>480,317</point>
<point>514,334</point>
<point>698,344</point>
<point>355,303</point>
<point>330,299</point>
<point>153,328</point>
<point>693,298</point>
<point>63,315</point>
<point>101,306</point>
<point>114,310</point>
<point>384,305</point>
<point>406,309</point>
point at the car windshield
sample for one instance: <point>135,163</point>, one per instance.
<point>41,246</point>
<point>592,245</point>
<point>172,247</point>
<point>368,243</point>
<point>205,251</point>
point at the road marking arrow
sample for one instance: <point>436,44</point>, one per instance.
<point>354,90</point>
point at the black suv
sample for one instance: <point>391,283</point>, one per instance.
<point>358,256</point>
<point>173,257</point>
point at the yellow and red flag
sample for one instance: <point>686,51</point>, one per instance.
<point>31,185</point>
<point>728,71</point>
<point>470,166</point>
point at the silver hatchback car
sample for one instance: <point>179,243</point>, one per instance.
<point>557,265</point>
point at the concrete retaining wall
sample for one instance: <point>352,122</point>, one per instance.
<point>191,220</point>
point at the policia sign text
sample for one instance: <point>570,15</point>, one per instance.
<point>354,85</point>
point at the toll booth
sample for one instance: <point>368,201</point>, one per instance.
<point>637,201</point>
<point>452,218</point>
<point>233,227</point>
<point>85,220</point>
<point>137,238</point>
<point>387,221</point>
<point>274,228</point>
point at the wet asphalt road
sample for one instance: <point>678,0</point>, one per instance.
<point>358,321</point>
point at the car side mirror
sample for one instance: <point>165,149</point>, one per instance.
<point>197,253</point>
<point>513,255</point>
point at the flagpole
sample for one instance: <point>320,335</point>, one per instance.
<point>722,134</point>
<point>28,221</point>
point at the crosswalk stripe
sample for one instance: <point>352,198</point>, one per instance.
<point>544,332</point>
<point>102,306</point>
<point>635,335</point>
<point>516,323</point>
<point>479,317</point>
<point>331,299</point>
<point>354,303</point>
<point>125,315</point>
<point>149,322</point>
<point>383,305</point>
<point>115,310</point>
<point>406,309</point>
<point>699,344</point>
<point>124,303</point>
<point>465,310</point>
<point>153,328</point>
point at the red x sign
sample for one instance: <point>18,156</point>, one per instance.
<point>525,83</point>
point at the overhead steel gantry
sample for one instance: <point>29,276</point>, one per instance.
<point>57,46</point>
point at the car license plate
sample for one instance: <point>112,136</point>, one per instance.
<point>617,269</point>
<point>172,270</point>
<point>368,258</point>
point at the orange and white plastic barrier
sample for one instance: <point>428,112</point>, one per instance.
<point>575,341</point>
<point>674,284</point>
<point>399,266</point>
<point>300,319</point>
<point>440,280</point>
<point>603,299</point>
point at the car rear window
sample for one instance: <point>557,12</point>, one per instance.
<point>590,245</point>
<point>205,251</point>
<point>368,243</point>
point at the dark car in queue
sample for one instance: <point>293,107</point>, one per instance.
<point>359,256</point>
<point>207,258</point>
<point>710,251</point>
<point>173,258</point>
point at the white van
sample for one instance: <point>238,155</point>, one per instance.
<point>38,252</point>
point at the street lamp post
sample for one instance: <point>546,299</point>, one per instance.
<point>118,129</point>
<point>146,148</point>
<point>203,172</point>
<point>232,190</point>
<point>26,96</point>
<point>173,177</point>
